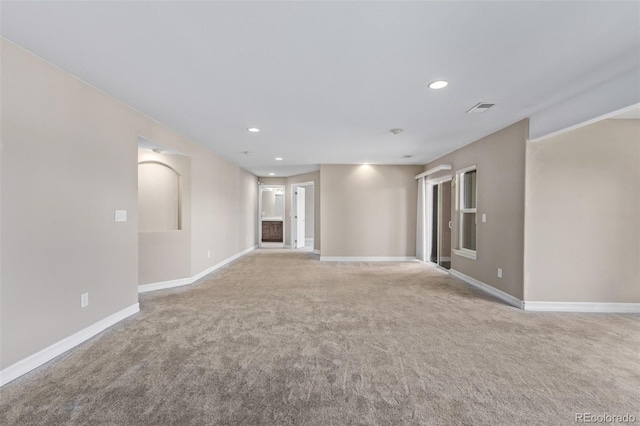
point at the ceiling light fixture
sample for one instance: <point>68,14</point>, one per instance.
<point>278,158</point>
<point>253,129</point>
<point>247,152</point>
<point>407,156</point>
<point>438,84</point>
<point>157,150</point>
<point>396,131</point>
<point>272,174</point>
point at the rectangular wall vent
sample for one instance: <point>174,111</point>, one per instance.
<point>481,107</point>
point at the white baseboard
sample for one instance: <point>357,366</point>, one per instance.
<point>47,354</point>
<point>316,251</point>
<point>499,294</point>
<point>627,308</point>
<point>308,240</point>
<point>143,288</point>
<point>367,258</point>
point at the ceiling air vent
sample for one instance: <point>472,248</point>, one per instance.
<point>481,107</point>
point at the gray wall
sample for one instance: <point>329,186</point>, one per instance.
<point>500,161</point>
<point>368,210</point>
<point>69,160</point>
<point>583,215</point>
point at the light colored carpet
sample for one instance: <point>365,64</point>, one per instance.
<point>282,339</point>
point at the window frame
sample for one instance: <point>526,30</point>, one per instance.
<point>462,209</point>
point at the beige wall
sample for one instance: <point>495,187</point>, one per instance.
<point>166,255</point>
<point>225,208</point>
<point>583,215</point>
<point>500,161</point>
<point>309,210</point>
<point>368,210</point>
<point>69,160</point>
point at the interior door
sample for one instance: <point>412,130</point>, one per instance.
<point>444,225</point>
<point>300,218</point>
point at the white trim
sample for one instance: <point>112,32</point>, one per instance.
<point>499,294</point>
<point>143,288</point>
<point>316,251</point>
<point>436,169</point>
<point>308,183</point>
<point>308,241</point>
<point>467,169</point>
<point>439,180</point>
<point>291,211</point>
<point>262,186</point>
<point>34,361</point>
<point>469,254</point>
<point>367,258</point>
<point>628,308</point>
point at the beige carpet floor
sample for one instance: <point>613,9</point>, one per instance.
<point>283,339</point>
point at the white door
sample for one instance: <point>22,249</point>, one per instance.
<point>299,218</point>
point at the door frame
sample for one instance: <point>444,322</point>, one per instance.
<point>292,211</point>
<point>428,187</point>
<point>262,186</point>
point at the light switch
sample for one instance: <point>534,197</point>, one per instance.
<point>484,217</point>
<point>121,215</point>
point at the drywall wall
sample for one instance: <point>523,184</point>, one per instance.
<point>500,161</point>
<point>315,214</point>
<point>368,210</point>
<point>583,215</point>
<point>309,210</point>
<point>166,255</point>
<point>224,205</point>
<point>69,160</point>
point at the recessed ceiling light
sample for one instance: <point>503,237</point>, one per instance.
<point>438,84</point>
<point>157,150</point>
<point>396,131</point>
<point>272,174</point>
<point>407,156</point>
<point>278,158</point>
<point>253,129</point>
<point>247,152</point>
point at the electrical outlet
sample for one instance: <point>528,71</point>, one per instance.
<point>484,217</point>
<point>121,216</point>
<point>209,254</point>
<point>499,272</point>
<point>84,300</point>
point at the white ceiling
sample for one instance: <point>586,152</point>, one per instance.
<point>628,114</point>
<point>326,81</point>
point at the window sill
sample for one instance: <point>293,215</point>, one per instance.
<point>465,253</point>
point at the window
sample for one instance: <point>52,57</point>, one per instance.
<point>467,212</point>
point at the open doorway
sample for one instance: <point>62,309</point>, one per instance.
<point>440,223</point>
<point>303,216</point>
<point>271,208</point>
